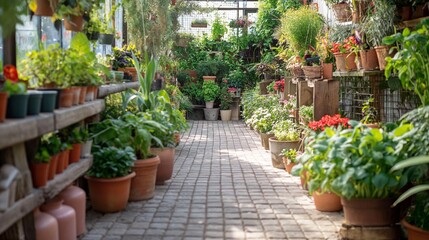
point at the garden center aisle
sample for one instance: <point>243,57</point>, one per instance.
<point>223,187</point>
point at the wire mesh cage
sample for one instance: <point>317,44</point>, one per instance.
<point>390,104</point>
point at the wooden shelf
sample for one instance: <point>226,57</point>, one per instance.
<point>67,116</point>
<point>105,90</point>
<point>361,73</point>
<point>66,178</point>
<point>410,23</point>
<point>24,206</point>
<point>21,208</point>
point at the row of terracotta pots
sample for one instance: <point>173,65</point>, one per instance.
<point>63,217</point>
<point>132,71</point>
<point>76,95</point>
<point>112,195</point>
<point>42,172</point>
<point>372,59</point>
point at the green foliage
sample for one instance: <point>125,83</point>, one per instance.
<point>411,62</point>
<point>299,28</point>
<point>286,130</point>
<point>112,162</point>
<point>270,87</point>
<point>212,68</point>
<point>178,99</point>
<point>418,214</point>
<point>369,112</point>
<point>218,29</point>
<point>52,143</point>
<point>289,154</point>
<point>10,16</point>
<point>194,92</point>
<point>183,78</point>
<point>306,114</point>
<point>419,140</point>
<point>13,88</point>
<point>237,78</point>
<point>339,32</point>
<point>356,162</point>
<point>225,98</point>
<point>379,23</point>
<point>210,91</point>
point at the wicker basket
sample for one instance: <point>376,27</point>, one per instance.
<point>312,72</point>
<point>296,70</point>
<point>342,11</point>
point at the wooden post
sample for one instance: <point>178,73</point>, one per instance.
<point>325,98</point>
<point>305,94</point>
<point>235,107</point>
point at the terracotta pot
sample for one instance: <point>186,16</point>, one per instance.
<point>3,105</point>
<point>73,23</point>
<point>133,72</point>
<point>74,153</point>
<point>327,202</point>
<point>143,184</point>
<point>66,159</point>
<point>209,78</point>
<point>46,226</point>
<point>165,168</point>
<point>45,7</point>
<point>209,104</point>
<point>340,61</point>
<point>369,59</point>
<point>351,62</point>
<point>109,195</point>
<point>53,166</point>
<point>264,140</point>
<point>415,233</point>
<point>193,74</point>
<point>89,93</point>
<point>328,69</point>
<point>342,11</point>
<point>39,174</point>
<point>60,162</point>
<point>76,95</point>
<point>82,94</point>
<point>65,215</point>
<point>276,147</point>
<point>66,97</point>
<point>382,53</point>
<point>225,115</point>
<point>368,212</point>
<point>75,197</point>
<point>288,167</point>
<point>95,91</point>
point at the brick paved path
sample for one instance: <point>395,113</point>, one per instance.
<point>223,187</point>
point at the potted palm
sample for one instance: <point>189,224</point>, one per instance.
<point>286,136</point>
<point>109,178</point>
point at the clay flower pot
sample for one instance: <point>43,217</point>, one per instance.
<point>328,69</point>
<point>351,62</point>
<point>82,94</point>
<point>66,97</point>
<point>177,139</point>
<point>382,53</point>
<point>288,167</point>
<point>60,162</point>
<point>53,166</point>
<point>369,59</point>
<point>165,168</point>
<point>45,7</point>
<point>73,23</point>
<point>265,141</point>
<point>415,233</point>
<point>109,195</point>
<point>65,216</point>
<point>76,95</point>
<point>74,153</point>
<point>327,202</point>
<point>209,78</point>
<point>133,72</point>
<point>340,61</point>
<point>39,174</point>
<point>143,184</point>
<point>276,147</point>
<point>368,212</point>
<point>3,105</point>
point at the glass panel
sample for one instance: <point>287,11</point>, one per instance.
<point>49,34</point>
<point>26,38</point>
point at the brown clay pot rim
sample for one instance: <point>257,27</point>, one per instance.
<point>272,135</point>
<point>274,139</point>
<point>157,148</point>
<point>118,179</point>
<point>369,202</point>
<point>410,226</point>
<point>380,47</point>
<point>147,162</point>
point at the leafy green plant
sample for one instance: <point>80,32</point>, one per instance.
<point>200,21</point>
<point>194,92</point>
<point>218,29</point>
<point>14,88</point>
<point>236,78</point>
<point>270,87</point>
<point>356,162</point>
<point>299,28</point>
<point>379,23</point>
<point>225,98</point>
<point>418,144</point>
<point>369,112</point>
<point>210,91</point>
<point>290,155</point>
<point>112,162</point>
<point>306,114</point>
<point>286,130</point>
<point>52,143</point>
<point>410,62</point>
<point>212,68</point>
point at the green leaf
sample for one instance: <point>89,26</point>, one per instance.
<point>81,44</point>
<point>411,162</point>
<point>410,192</point>
<point>380,180</point>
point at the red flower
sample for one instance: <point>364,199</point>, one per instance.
<point>10,72</point>
<point>328,121</point>
<point>232,89</point>
<point>280,85</point>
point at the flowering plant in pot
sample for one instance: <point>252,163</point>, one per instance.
<point>290,158</point>
<point>328,121</point>
<point>15,98</point>
<point>109,178</point>
<point>225,98</point>
<point>286,136</point>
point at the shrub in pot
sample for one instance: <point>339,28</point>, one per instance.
<point>369,114</point>
<point>210,91</point>
<point>109,178</point>
<point>17,102</point>
<point>225,98</point>
<point>286,136</point>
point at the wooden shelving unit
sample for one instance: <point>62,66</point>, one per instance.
<point>410,23</point>
<point>105,90</point>
<point>361,73</point>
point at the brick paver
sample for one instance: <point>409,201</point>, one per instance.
<point>223,187</point>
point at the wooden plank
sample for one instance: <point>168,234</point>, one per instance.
<point>360,73</point>
<point>320,99</point>
<point>67,116</point>
<point>334,96</point>
<point>66,178</point>
<point>305,94</point>
<point>16,131</point>
<point>105,90</point>
<point>21,208</point>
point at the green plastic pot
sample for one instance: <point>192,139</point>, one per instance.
<point>49,101</point>
<point>34,102</point>
<point>17,105</point>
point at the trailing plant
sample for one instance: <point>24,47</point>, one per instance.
<point>112,162</point>
<point>210,91</point>
<point>411,61</point>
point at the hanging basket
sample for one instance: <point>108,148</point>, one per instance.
<point>312,72</point>
<point>342,11</point>
<point>199,25</point>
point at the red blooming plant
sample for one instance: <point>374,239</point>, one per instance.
<point>328,121</point>
<point>280,85</point>
<point>10,73</point>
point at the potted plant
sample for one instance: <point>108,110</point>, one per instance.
<point>240,23</point>
<point>87,143</point>
<point>289,158</point>
<point>286,136</point>
<point>225,98</point>
<point>279,87</point>
<point>218,29</point>
<point>40,167</point>
<point>323,49</point>
<point>211,70</point>
<point>17,103</point>
<point>106,29</point>
<point>199,23</point>
<point>93,26</point>
<point>369,114</point>
<point>75,138</point>
<point>410,62</point>
<point>53,144</point>
<point>341,9</point>
<point>109,178</point>
<point>72,13</point>
<point>210,91</point>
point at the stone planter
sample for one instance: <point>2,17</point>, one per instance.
<point>211,114</point>
<point>264,140</point>
<point>225,115</point>
<point>276,147</point>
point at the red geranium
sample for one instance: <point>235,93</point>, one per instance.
<point>10,73</point>
<point>328,121</point>
<point>280,85</point>
<point>232,89</point>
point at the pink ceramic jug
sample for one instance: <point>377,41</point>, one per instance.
<point>65,216</point>
<point>75,197</point>
<point>46,226</point>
